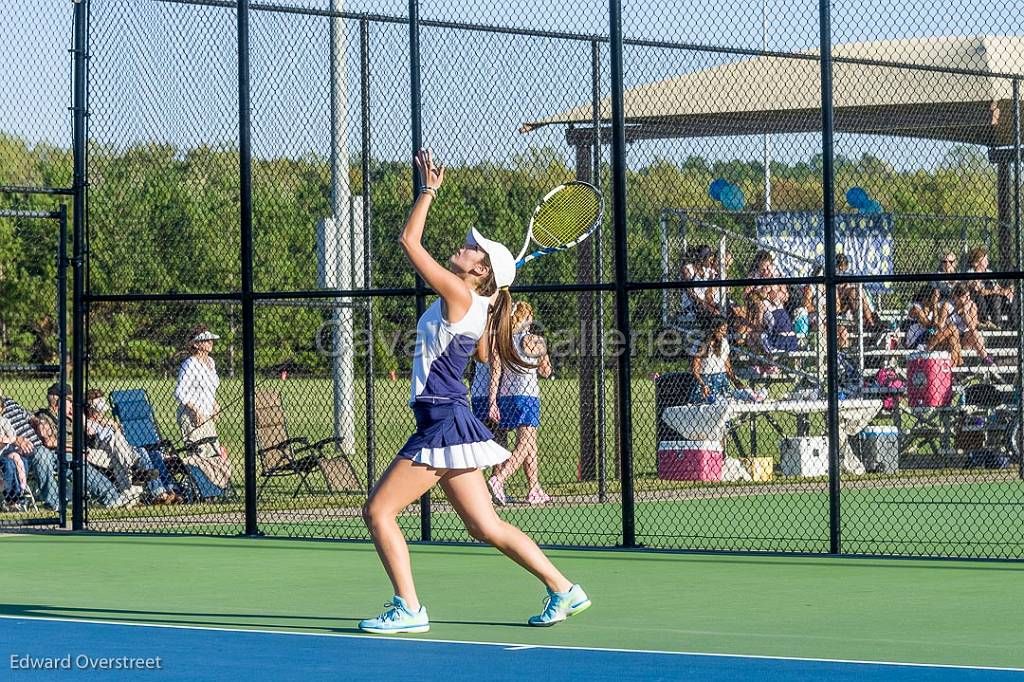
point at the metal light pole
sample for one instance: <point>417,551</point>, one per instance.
<point>338,238</point>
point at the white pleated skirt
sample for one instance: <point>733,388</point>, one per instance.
<point>449,436</point>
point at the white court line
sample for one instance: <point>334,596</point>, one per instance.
<point>384,638</point>
<point>521,647</point>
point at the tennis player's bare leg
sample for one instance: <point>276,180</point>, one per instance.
<point>972,338</point>
<point>949,338</point>
<point>467,492</point>
<point>402,484</point>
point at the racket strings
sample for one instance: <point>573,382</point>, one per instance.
<point>566,216</point>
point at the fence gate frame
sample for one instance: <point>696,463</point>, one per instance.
<point>62,261</point>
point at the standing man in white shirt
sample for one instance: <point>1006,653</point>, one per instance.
<point>196,393</point>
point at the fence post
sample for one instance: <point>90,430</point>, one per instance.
<point>595,175</point>
<point>364,134</point>
<point>623,389</point>
<point>245,219</point>
<point>62,349</point>
<point>828,212</point>
<point>1020,264</point>
<point>81,179</point>
<point>417,142</point>
<point>587,389</point>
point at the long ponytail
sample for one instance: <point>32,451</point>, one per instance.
<point>499,323</point>
<point>499,328</point>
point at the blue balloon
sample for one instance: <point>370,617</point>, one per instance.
<point>716,187</point>
<point>732,198</point>
<point>857,197</point>
<point>872,207</point>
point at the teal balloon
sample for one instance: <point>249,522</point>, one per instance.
<point>716,187</point>
<point>732,198</point>
<point>857,197</point>
<point>872,207</point>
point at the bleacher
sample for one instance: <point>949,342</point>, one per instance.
<point>931,437</point>
<point>946,437</point>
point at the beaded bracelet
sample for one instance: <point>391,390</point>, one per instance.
<point>431,190</point>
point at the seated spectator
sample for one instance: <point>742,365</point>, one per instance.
<point>35,459</point>
<point>963,314</point>
<point>802,308</point>
<point>756,296</point>
<point>762,267</point>
<point>849,301</point>
<point>712,368</point>
<point>104,433</point>
<point>806,308</point>
<point>994,300</point>
<point>947,266</point>
<point>106,451</point>
<point>721,264</point>
<point>12,465</point>
<point>41,461</point>
<point>698,303</point>
<point>688,273</point>
<point>745,324</point>
<point>98,486</point>
<point>689,269</point>
<point>929,327</point>
<point>778,334</point>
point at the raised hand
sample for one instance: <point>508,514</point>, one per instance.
<point>432,176</point>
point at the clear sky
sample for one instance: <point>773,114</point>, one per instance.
<point>166,72</point>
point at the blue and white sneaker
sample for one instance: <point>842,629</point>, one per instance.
<point>397,618</point>
<point>560,605</point>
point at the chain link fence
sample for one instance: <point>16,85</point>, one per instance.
<point>779,339</point>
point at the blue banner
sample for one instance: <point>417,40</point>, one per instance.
<point>797,241</point>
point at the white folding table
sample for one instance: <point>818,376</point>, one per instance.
<point>711,422</point>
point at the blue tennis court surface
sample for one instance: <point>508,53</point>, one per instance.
<point>210,654</point>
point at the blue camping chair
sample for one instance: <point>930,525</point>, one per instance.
<point>135,412</point>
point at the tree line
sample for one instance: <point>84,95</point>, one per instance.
<point>164,220</point>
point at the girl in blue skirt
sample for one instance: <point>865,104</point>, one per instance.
<point>450,445</point>
<point>517,407</point>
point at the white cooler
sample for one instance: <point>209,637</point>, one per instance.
<point>880,449</point>
<point>803,456</point>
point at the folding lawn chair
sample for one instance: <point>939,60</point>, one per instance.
<point>135,412</point>
<point>282,456</point>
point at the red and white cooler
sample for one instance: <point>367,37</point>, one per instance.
<point>929,379</point>
<point>690,460</point>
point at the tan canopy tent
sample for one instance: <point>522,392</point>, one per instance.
<point>950,88</point>
<point>783,94</point>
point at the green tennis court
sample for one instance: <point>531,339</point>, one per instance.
<point>911,611</point>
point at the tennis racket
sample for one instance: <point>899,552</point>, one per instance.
<point>566,216</point>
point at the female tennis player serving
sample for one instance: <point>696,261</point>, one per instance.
<point>451,445</point>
